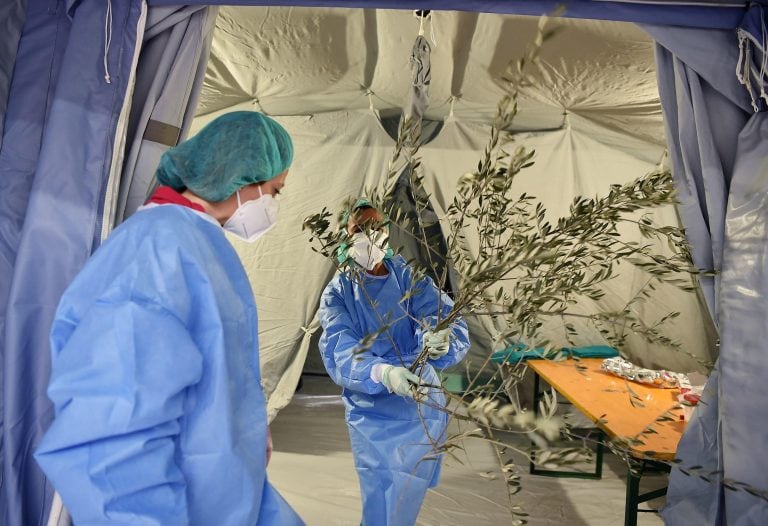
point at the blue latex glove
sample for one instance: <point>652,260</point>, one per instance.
<point>437,343</point>
<point>400,380</point>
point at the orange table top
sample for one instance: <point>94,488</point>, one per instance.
<point>621,408</point>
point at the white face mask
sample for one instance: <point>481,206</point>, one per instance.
<point>368,254</point>
<point>254,218</point>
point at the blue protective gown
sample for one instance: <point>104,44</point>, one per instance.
<point>388,436</point>
<point>160,415</point>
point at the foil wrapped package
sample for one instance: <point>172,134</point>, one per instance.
<point>625,369</point>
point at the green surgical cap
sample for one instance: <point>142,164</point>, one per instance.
<point>232,151</point>
<point>360,203</point>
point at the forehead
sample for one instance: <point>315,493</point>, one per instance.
<point>365,216</point>
<point>280,179</point>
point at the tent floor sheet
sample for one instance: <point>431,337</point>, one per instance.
<point>312,467</point>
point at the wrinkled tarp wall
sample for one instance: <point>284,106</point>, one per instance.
<point>720,148</point>
<point>304,61</point>
<point>54,163</point>
<point>594,109</point>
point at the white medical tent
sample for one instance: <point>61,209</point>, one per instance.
<point>92,92</point>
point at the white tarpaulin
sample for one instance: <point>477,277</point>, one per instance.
<point>593,116</point>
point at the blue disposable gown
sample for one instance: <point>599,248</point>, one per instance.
<point>160,415</point>
<point>393,454</point>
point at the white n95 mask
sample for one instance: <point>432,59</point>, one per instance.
<point>364,252</point>
<point>254,218</point>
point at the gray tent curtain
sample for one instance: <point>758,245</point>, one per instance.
<point>704,111</point>
<point>71,77</point>
<point>12,16</point>
<point>719,149</point>
<point>169,75</point>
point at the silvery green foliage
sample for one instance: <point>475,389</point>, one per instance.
<point>525,269</point>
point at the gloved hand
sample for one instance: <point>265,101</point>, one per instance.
<point>437,343</point>
<point>400,380</point>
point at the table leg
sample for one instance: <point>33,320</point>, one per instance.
<point>532,466</point>
<point>634,498</point>
<point>597,474</point>
<point>599,455</point>
<point>630,506</point>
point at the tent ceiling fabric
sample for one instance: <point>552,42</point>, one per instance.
<point>721,14</point>
<point>299,61</point>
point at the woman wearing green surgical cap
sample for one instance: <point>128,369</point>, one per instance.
<point>233,168</point>
<point>160,414</point>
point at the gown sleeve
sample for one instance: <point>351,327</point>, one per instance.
<point>119,382</point>
<point>339,342</point>
<point>424,306</point>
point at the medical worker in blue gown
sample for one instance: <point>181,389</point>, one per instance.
<point>160,415</point>
<point>392,435</point>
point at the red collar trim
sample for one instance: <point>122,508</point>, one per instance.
<point>165,195</point>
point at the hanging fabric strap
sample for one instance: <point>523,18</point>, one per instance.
<point>432,30</point>
<point>107,41</point>
<point>421,75</point>
<point>162,133</point>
